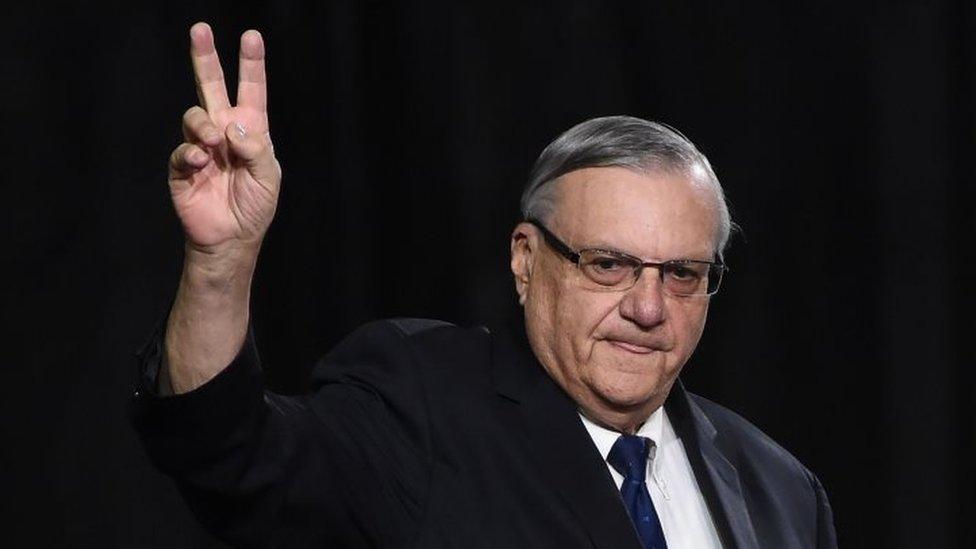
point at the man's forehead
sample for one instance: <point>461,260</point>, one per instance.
<point>645,212</point>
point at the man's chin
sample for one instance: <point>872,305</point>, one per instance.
<point>626,388</point>
<point>628,399</point>
<point>620,411</point>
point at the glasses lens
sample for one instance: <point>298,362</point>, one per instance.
<point>685,277</point>
<point>611,271</point>
<point>608,270</point>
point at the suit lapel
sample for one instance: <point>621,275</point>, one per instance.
<point>564,453</point>
<point>717,476</point>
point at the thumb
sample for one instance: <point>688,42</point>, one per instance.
<point>252,151</point>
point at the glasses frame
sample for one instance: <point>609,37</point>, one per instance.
<point>574,257</point>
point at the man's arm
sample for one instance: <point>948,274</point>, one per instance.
<point>224,181</point>
<point>208,321</point>
<point>265,470</point>
<point>260,469</point>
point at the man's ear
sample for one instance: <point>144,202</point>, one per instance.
<point>523,248</point>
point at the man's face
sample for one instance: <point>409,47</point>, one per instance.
<point>617,353</point>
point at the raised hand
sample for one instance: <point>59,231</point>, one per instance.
<point>224,179</point>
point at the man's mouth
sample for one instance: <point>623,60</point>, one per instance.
<point>632,347</point>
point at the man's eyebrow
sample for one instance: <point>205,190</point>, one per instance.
<point>599,245</point>
<point>603,247</point>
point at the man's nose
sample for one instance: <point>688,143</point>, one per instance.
<point>644,303</point>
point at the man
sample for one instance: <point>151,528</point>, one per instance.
<point>571,430</point>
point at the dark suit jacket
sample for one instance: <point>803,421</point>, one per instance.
<point>422,434</point>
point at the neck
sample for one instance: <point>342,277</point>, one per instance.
<point>626,422</point>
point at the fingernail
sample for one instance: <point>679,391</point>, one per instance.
<point>241,131</point>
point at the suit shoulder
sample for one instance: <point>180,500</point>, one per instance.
<point>777,483</point>
<point>442,346</point>
<point>417,326</point>
<point>742,435</point>
<point>411,329</point>
<point>402,341</point>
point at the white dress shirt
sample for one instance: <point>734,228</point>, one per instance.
<point>670,480</point>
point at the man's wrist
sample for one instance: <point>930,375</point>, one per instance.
<point>223,270</point>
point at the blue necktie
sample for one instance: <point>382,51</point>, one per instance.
<point>629,457</point>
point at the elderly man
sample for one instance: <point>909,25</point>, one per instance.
<point>571,430</point>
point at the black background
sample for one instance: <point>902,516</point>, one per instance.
<point>843,134</point>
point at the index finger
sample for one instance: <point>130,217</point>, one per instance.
<point>211,88</point>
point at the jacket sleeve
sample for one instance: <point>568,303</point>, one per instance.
<point>345,465</point>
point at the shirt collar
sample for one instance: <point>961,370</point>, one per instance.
<point>604,438</point>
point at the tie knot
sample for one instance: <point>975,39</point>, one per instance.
<point>629,456</point>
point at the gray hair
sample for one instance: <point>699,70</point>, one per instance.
<point>622,141</point>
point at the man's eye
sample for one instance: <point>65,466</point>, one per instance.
<point>679,272</point>
<point>608,264</point>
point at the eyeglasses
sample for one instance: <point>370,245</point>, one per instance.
<point>613,270</point>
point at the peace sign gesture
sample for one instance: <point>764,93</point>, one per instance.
<point>224,179</point>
